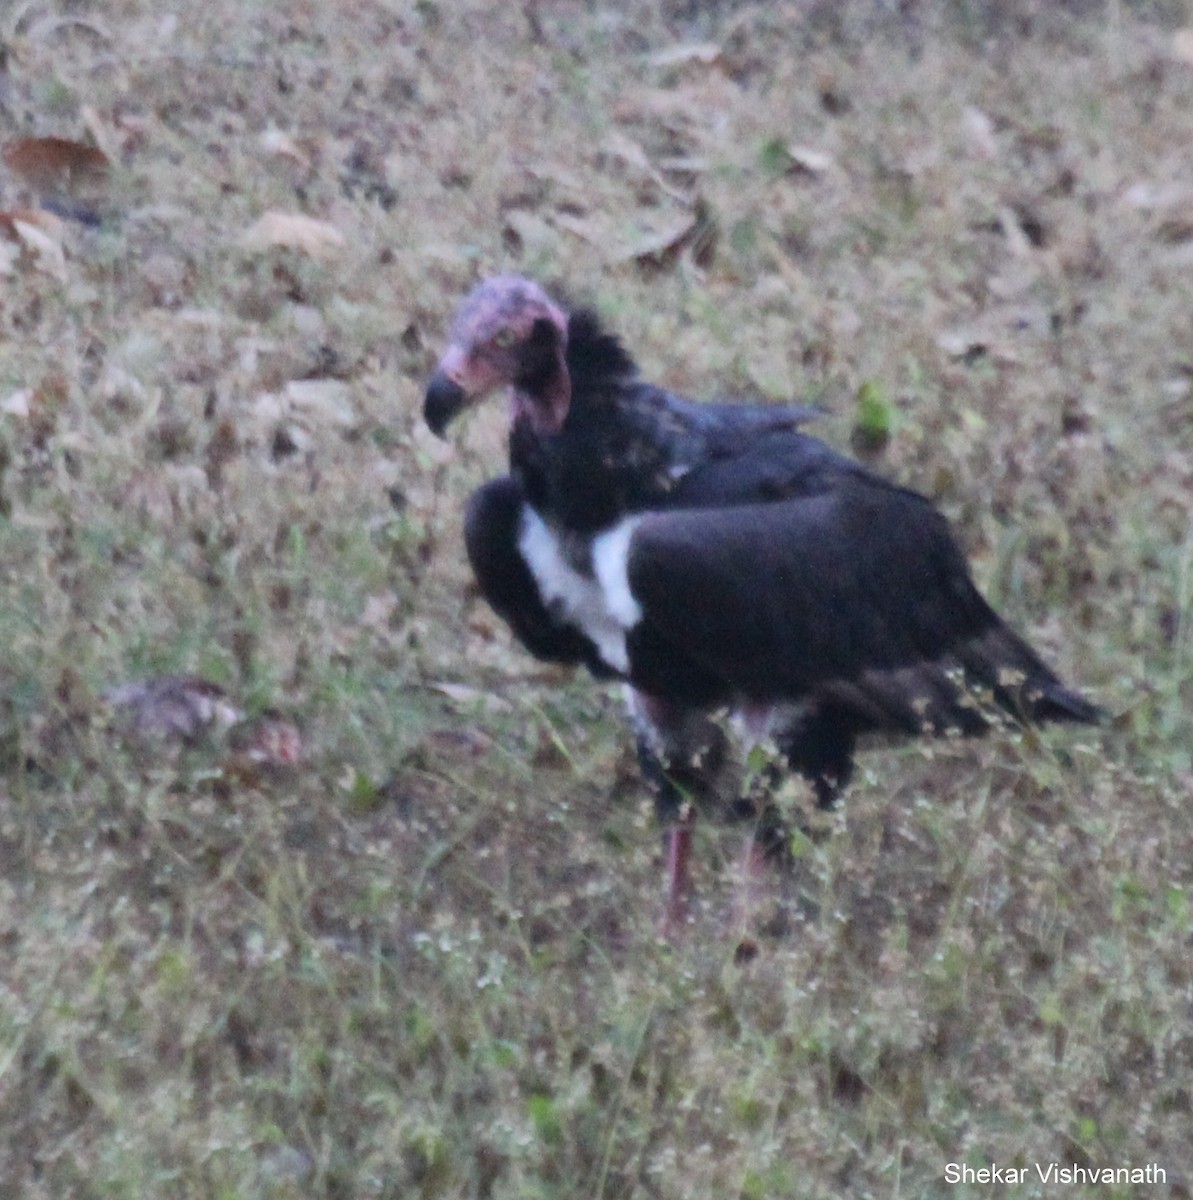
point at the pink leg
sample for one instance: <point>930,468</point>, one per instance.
<point>679,873</point>
<point>680,750</point>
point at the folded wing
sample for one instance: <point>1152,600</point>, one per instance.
<point>855,596</point>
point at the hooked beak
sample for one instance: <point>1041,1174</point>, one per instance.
<point>444,400</point>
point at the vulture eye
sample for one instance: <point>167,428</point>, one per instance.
<point>503,339</point>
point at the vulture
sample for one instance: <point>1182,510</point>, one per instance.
<point>717,559</point>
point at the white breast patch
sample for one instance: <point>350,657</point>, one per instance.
<point>601,606</point>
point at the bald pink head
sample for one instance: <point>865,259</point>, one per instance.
<point>506,332</point>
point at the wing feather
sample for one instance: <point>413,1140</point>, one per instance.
<point>858,584</point>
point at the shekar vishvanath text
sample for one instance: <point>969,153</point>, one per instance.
<point>1053,1172</point>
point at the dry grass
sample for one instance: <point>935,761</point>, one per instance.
<point>423,961</point>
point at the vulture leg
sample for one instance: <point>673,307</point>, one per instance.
<point>679,871</point>
<point>680,752</point>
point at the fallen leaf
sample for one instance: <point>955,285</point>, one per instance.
<point>1146,196</point>
<point>704,54</point>
<point>1018,242</point>
<point>1176,229</point>
<point>324,401</point>
<point>31,216</point>
<point>47,26</point>
<point>100,132</point>
<point>565,177</point>
<point>1170,206</point>
<point>1182,46</point>
<point>631,154</point>
<point>978,131</point>
<point>683,164</point>
<point>179,709</point>
<point>527,231</point>
<point>696,233</point>
<point>470,743</point>
<point>18,404</point>
<point>585,228</point>
<point>277,144</point>
<point>810,160</point>
<point>656,248</point>
<point>46,250</point>
<point>57,166</point>
<point>470,697</point>
<point>618,145</point>
<point>294,231</point>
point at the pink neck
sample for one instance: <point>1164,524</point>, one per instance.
<point>546,411</point>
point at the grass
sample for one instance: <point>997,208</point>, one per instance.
<point>423,961</point>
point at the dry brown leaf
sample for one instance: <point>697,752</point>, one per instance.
<point>978,130</point>
<point>57,166</point>
<point>467,742</point>
<point>996,333</point>
<point>631,154</point>
<point>470,697</point>
<point>1169,205</point>
<point>1018,242</point>
<point>179,709</point>
<point>101,132</point>
<point>655,248</point>
<point>561,175</point>
<point>653,243</point>
<point>810,160</point>
<point>1147,196</point>
<point>294,231</point>
<point>529,230</point>
<point>684,164</point>
<point>695,235</point>
<point>585,228</point>
<point>1182,46</point>
<point>46,250</point>
<point>618,145</point>
<point>321,401</point>
<point>277,144</point>
<point>961,343</point>
<point>704,54</point>
<point>31,216</point>
<point>47,26</point>
<point>19,404</point>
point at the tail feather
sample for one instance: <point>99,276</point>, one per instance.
<point>1021,684</point>
<point>1057,703</point>
<point>995,675</point>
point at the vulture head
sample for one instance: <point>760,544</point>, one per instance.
<point>507,332</point>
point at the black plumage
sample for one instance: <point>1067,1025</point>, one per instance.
<point>715,556</point>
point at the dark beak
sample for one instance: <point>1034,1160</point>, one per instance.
<point>444,399</point>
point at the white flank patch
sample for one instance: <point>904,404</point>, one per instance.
<point>761,724</point>
<point>602,607</point>
<point>610,561</point>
